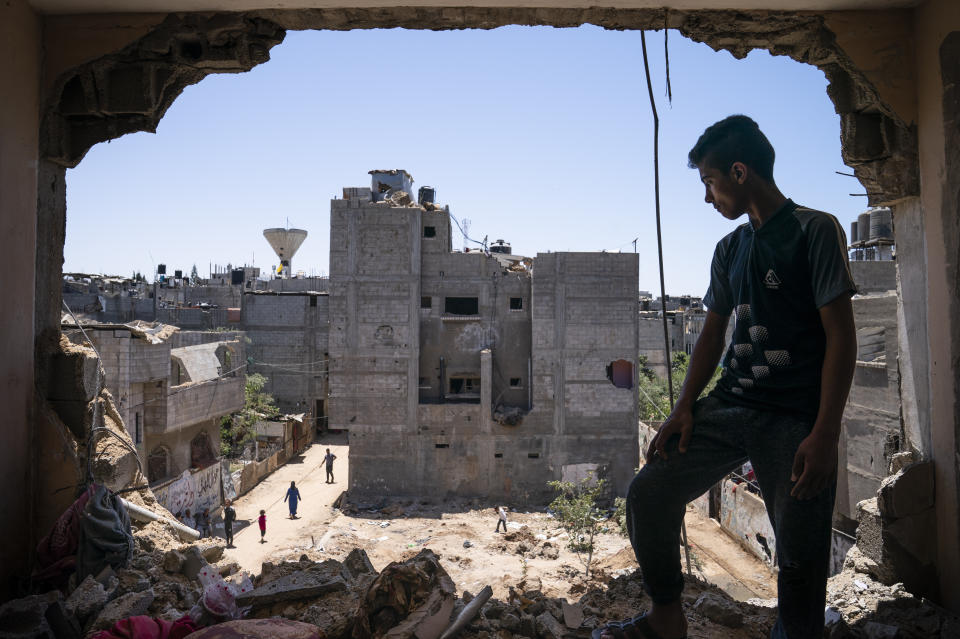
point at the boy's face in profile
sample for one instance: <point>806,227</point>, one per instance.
<point>724,190</point>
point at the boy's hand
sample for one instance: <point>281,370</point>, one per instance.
<point>679,422</point>
<point>814,465</point>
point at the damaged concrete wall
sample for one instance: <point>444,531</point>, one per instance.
<point>375,340</point>
<point>585,318</point>
<point>103,79</point>
<point>871,431</point>
<point>288,336</point>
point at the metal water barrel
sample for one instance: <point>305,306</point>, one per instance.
<point>881,224</point>
<point>853,232</point>
<point>863,226</point>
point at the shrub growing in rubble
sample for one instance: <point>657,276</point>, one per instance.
<point>241,427</point>
<point>576,510</point>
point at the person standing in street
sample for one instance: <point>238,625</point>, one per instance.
<point>229,516</point>
<point>293,497</point>
<point>501,518</point>
<point>262,522</point>
<point>328,460</point>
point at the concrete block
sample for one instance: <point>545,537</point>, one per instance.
<point>128,605</point>
<point>908,492</point>
<point>37,616</point>
<point>89,597</point>
<point>303,584</point>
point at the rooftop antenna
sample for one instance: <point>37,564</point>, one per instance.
<point>466,231</point>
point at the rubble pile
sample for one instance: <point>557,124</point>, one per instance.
<point>524,543</point>
<point>859,606</point>
<point>168,581</point>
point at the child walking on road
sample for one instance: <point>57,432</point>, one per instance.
<point>262,521</point>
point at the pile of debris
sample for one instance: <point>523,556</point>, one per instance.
<point>167,580</point>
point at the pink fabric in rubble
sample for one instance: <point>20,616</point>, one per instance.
<point>143,627</point>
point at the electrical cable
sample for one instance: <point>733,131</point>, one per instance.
<point>663,292</point>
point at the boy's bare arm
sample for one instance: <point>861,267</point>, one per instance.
<point>703,363</point>
<point>816,459</point>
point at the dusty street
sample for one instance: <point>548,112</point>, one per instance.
<point>313,512</point>
<point>462,534</point>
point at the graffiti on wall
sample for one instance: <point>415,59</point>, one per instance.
<point>192,490</point>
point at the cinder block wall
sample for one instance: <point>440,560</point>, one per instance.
<point>374,340</point>
<point>288,334</point>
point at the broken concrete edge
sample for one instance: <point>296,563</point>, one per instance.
<point>92,102</point>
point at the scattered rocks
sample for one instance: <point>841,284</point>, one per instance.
<point>358,563</point>
<point>719,610</point>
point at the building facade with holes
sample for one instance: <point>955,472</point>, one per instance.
<point>474,373</point>
<point>172,392</point>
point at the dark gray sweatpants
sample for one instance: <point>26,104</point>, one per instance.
<point>724,437</point>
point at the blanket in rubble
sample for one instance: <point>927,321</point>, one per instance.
<point>92,533</point>
<point>105,537</point>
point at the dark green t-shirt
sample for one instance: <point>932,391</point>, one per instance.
<point>774,280</point>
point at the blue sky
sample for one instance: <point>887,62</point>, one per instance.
<point>540,136</point>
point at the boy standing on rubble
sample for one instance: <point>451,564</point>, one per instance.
<point>784,276</point>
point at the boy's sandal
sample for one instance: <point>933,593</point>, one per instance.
<point>636,628</point>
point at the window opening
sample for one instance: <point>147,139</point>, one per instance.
<point>429,231</point>
<point>426,302</point>
<point>498,455</point>
<point>461,305</point>
<point>137,429</point>
<point>515,382</point>
<point>459,385</point>
<point>313,300</point>
<point>442,445</point>
<point>533,455</point>
<point>620,373</point>
<point>516,303</point>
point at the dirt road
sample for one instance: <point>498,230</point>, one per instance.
<point>313,513</point>
<point>461,533</point>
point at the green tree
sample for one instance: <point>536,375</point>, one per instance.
<point>655,393</point>
<point>241,427</point>
<point>575,508</point>
<point>194,276</point>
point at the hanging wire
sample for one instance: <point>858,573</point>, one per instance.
<point>666,53</point>
<point>663,293</point>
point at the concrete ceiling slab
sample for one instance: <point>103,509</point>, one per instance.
<point>170,6</point>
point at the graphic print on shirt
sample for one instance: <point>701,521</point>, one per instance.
<point>771,280</point>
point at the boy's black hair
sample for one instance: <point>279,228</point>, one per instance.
<point>736,138</point>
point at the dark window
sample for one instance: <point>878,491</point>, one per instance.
<point>442,445</point>
<point>461,306</point>
<point>533,455</point>
<point>423,381</point>
<point>498,455</point>
<point>429,231</point>
<point>464,385</point>
<point>313,300</point>
<point>516,303</point>
<point>514,381</point>
<point>426,302</point>
<point>138,430</point>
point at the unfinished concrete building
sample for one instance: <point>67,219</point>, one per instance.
<point>81,72</point>
<point>170,388</point>
<point>475,374</point>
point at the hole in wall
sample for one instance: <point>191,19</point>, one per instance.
<point>620,373</point>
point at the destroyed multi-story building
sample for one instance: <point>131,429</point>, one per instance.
<point>170,387</point>
<point>474,373</point>
<point>82,73</point>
